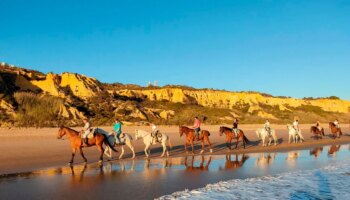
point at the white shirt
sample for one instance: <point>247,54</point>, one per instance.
<point>154,128</point>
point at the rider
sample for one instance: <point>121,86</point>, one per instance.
<point>235,126</point>
<point>154,132</point>
<point>197,127</point>
<point>336,123</point>
<point>117,129</point>
<point>86,129</point>
<point>267,126</point>
<point>296,125</point>
<point>318,126</point>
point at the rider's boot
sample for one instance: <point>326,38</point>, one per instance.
<point>87,141</point>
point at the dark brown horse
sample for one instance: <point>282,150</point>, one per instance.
<point>335,130</point>
<point>317,132</point>
<point>230,135</point>
<point>77,143</point>
<point>191,136</point>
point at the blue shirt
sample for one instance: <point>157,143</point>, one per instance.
<point>118,128</point>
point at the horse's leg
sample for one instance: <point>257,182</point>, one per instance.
<point>73,154</point>
<point>122,153</point>
<point>208,141</point>
<point>82,155</point>
<point>186,147</point>
<point>128,143</point>
<point>243,141</point>
<point>108,154</point>
<point>237,143</point>
<point>192,145</point>
<point>146,150</point>
<point>164,148</point>
<point>100,148</point>
<point>275,139</point>
<point>202,143</point>
<point>289,138</point>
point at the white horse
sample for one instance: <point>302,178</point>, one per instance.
<point>127,139</point>
<point>148,140</point>
<point>263,135</point>
<point>294,135</point>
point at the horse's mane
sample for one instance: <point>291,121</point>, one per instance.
<point>70,129</point>
<point>332,123</point>
<point>226,128</point>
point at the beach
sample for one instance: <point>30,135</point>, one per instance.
<point>28,149</point>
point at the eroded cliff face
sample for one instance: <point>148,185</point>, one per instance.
<point>232,100</point>
<point>82,96</point>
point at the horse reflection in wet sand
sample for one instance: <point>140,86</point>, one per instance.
<point>333,150</point>
<point>264,160</point>
<point>202,166</point>
<point>316,151</point>
<point>234,164</point>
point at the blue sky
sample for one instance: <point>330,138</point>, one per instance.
<point>291,48</point>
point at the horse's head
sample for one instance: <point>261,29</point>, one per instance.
<point>221,131</point>
<point>289,126</point>
<point>61,132</point>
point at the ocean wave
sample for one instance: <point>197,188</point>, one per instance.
<point>330,182</point>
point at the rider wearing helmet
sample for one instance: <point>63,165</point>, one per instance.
<point>235,126</point>
<point>86,130</point>
<point>296,125</point>
<point>336,123</point>
<point>267,126</point>
<point>318,126</point>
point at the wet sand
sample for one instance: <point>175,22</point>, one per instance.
<point>148,179</point>
<point>32,149</point>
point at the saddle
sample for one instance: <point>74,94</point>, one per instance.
<point>200,135</point>
<point>157,136</point>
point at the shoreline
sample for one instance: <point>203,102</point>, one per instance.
<point>37,149</point>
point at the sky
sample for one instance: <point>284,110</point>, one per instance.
<point>285,48</point>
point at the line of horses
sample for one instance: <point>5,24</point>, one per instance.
<point>101,138</point>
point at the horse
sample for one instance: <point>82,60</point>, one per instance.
<point>294,135</point>
<point>125,139</point>
<point>230,135</point>
<point>148,140</point>
<point>317,132</point>
<point>191,136</point>
<point>263,134</point>
<point>77,142</point>
<point>335,130</point>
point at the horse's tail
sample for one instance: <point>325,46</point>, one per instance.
<point>106,141</point>
<point>245,139</point>
<point>340,132</point>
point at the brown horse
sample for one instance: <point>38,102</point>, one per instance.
<point>77,143</point>
<point>191,136</point>
<point>335,130</point>
<point>317,132</point>
<point>230,135</point>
